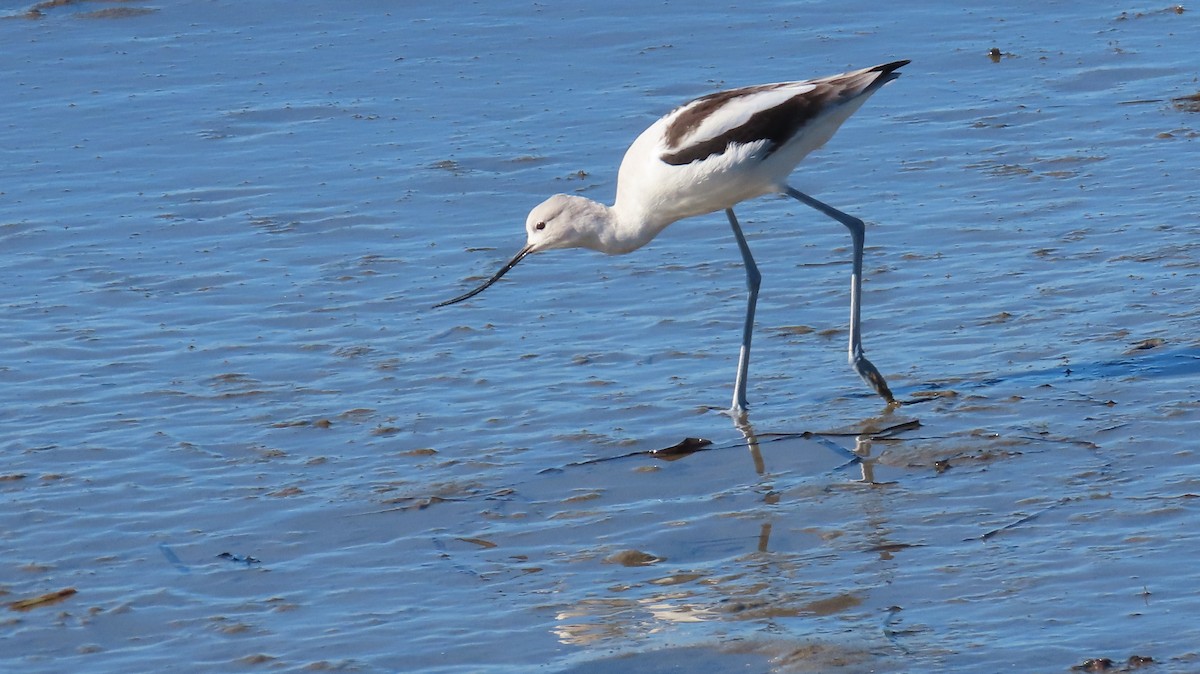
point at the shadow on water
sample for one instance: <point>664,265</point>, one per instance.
<point>1142,361</point>
<point>1147,360</point>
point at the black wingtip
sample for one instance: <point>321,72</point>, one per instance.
<point>889,68</point>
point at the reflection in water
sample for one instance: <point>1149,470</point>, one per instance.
<point>861,454</point>
<point>767,585</point>
<point>592,621</point>
<point>742,423</point>
<point>862,448</point>
<point>764,585</point>
<point>764,537</point>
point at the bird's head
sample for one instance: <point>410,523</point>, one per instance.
<point>566,221</point>
<point>562,221</point>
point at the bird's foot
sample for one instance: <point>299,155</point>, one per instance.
<point>870,374</point>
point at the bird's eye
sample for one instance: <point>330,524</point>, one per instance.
<point>540,226</point>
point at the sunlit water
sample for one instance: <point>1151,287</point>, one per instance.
<point>224,224</point>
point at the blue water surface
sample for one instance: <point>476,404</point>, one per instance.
<point>224,225</point>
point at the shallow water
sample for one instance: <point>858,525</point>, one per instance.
<point>224,224</point>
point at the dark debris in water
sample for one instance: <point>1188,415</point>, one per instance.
<point>680,449</point>
<point>247,560</point>
<point>1094,665</point>
<point>403,503</point>
<point>685,447</point>
<point>1187,103</point>
<point>40,10</point>
<point>633,558</point>
<point>995,55</point>
<point>286,491</point>
<point>689,446</point>
<point>892,547</point>
<point>925,396</point>
<point>1146,345</point>
<point>1108,665</point>
<point>1026,519</point>
<point>481,542</point>
<point>1169,9</point>
<point>41,600</point>
<point>318,423</point>
<point>118,12</point>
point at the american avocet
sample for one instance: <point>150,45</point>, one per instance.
<point>711,154</point>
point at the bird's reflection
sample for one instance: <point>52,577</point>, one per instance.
<point>765,582</point>
<point>866,462</point>
<point>742,423</point>
<point>860,454</point>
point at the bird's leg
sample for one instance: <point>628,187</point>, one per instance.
<point>753,278</point>
<point>858,234</point>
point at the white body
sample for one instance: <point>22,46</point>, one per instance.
<point>770,128</point>
<point>652,194</point>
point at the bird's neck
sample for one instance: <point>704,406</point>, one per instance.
<point>630,228</point>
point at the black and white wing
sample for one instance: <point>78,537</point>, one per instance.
<point>768,115</point>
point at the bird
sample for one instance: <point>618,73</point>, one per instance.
<point>708,155</point>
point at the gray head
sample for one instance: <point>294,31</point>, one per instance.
<point>566,221</point>
<point>562,221</point>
